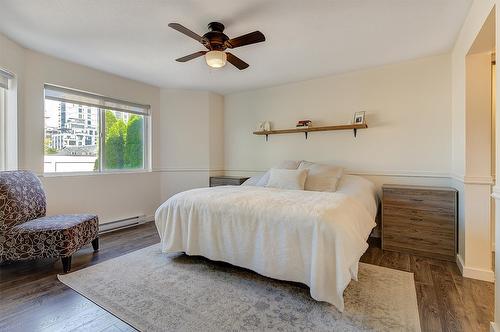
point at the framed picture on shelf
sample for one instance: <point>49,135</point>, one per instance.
<point>359,118</point>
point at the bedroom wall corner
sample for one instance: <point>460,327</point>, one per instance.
<point>191,135</point>
<point>216,134</point>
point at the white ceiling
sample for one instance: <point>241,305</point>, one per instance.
<point>305,39</point>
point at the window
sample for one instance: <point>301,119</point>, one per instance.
<point>2,127</point>
<point>8,147</point>
<point>112,137</point>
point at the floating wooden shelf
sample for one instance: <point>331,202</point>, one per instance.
<point>307,130</point>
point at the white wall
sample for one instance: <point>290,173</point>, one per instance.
<point>216,132</point>
<point>478,114</point>
<point>191,138</point>
<point>408,114</point>
<point>476,251</point>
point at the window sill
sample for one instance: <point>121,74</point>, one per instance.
<point>66,174</point>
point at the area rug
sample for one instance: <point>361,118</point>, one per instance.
<point>153,291</point>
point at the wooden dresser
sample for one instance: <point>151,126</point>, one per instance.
<point>227,180</point>
<point>420,220</point>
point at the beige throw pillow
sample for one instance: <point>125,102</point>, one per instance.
<point>321,177</point>
<point>287,178</point>
<point>286,164</point>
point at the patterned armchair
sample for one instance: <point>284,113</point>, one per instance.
<point>25,231</point>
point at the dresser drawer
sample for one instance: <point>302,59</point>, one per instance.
<point>226,181</point>
<point>410,228</point>
<point>420,242</point>
<point>441,219</point>
<point>420,221</point>
<point>439,201</point>
<point>223,182</point>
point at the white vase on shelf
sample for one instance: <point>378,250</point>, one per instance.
<point>267,126</point>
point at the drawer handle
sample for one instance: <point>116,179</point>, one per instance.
<point>416,199</point>
<point>416,219</point>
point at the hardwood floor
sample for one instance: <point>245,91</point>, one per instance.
<point>32,299</point>
<point>446,300</point>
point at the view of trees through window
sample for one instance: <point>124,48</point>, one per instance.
<point>72,138</point>
<point>124,145</point>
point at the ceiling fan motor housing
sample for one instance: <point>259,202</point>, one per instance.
<point>216,26</point>
<point>215,39</point>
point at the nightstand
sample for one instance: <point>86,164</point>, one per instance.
<point>227,180</point>
<point>420,220</point>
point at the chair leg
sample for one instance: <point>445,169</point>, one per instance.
<point>95,244</point>
<point>66,262</point>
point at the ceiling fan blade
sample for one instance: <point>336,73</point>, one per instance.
<point>237,62</point>
<point>249,38</point>
<point>191,56</point>
<point>182,29</point>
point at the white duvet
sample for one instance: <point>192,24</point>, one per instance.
<point>315,238</point>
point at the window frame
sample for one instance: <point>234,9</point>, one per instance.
<point>147,168</point>
<point>8,121</point>
<point>3,127</point>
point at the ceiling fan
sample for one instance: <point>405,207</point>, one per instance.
<point>217,42</point>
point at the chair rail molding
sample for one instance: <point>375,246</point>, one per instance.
<point>399,173</point>
<point>473,179</point>
<point>391,173</point>
<point>187,169</point>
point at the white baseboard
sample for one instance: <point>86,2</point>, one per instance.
<point>474,273</point>
<point>460,263</point>
<point>124,223</point>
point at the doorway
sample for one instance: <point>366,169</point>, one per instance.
<point>480,149</point>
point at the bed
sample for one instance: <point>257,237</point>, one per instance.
<point>315,238</point>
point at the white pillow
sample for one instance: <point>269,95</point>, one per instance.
<point>287,164</point>
<point>287,178</point>
<point>321,177</point>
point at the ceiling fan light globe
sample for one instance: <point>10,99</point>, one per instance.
<point>216,59</point>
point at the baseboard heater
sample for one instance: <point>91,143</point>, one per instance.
<point>124,223</point>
